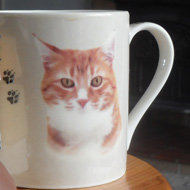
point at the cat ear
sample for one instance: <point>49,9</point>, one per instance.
<point>108,48</point>
<point>46,51</point>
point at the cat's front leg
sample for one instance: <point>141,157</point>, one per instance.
<point>54,137</point>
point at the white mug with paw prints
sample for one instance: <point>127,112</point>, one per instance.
<point>64,118</point>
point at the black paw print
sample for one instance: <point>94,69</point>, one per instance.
<point>13,96</point>
<point>9,76</point>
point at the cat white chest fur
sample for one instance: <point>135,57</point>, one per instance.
<point>84,128</point>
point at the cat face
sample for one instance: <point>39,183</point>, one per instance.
<point>78,79</point>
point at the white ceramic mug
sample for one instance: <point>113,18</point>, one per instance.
<point>64,95</point>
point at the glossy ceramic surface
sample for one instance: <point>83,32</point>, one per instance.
<point>93,151</point>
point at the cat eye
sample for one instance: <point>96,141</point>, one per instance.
<point>96,81</point>
<point>67,83</point>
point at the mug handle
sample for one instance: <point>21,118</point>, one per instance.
<point>166,57</point>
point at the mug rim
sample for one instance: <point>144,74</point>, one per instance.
<point>62,12</point>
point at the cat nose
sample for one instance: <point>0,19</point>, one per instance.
<point>82,102</point>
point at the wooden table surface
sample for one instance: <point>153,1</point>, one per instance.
<point>139,176</point>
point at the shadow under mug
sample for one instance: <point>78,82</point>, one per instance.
<point>64,95</point>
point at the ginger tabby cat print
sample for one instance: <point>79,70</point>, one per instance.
<point>80,84</point>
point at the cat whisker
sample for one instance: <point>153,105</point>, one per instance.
<point>95,105</point>
<point>69,107</point>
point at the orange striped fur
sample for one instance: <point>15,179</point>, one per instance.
<point>90,88</point>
